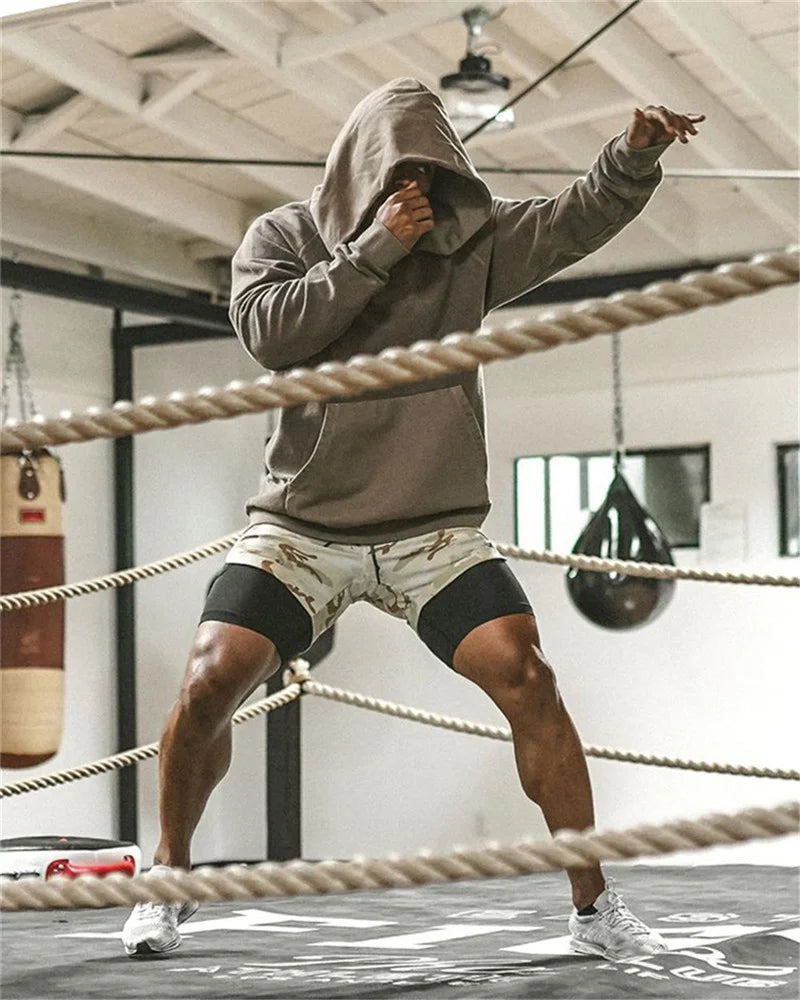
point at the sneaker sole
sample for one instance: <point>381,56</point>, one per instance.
<point>584,948</point>
<point>143,949</point>
<point>579,948</point>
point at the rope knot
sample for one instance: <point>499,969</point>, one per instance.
<point>298,672</point>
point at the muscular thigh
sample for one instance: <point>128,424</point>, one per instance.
<point>476,599</point>
<point>251,601</point>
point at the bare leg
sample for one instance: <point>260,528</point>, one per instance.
<point>226,664</point>
<point>504,658</point>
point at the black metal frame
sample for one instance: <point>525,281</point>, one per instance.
<point>125,597</point>
<point>191,318</point>
<point>781,451</point>
<point>197,310</point>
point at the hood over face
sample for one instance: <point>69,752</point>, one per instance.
<point>400,121</point>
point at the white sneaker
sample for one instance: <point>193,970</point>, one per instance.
<point>152,928</point>
<point>613,932</point>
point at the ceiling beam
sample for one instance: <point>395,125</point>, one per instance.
<point>716,33</point>
<point>298,49</point>
<point>520,54</point>
<point>77,12</point>
<point>161,196</point>
<point>197,123</point>
<point>429,64</point>
<point>63,53</point>
<point>352,66</point>
<point>424,62</point>
<point>35,131</point>
<point>186,57</point>
<point>629,54</point>
<point>102,242</point>
<point>163,95</point>
<point>250,34</point>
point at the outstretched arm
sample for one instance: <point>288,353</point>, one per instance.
<point>537,237</point>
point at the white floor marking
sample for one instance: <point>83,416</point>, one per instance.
<point>678,938</point>
<point>550,946</point>
<point>426,939</point>
<point>108,935</point>
<point>792,933</point>
<point>264,921</point>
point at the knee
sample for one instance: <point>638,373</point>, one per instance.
<point>206,697</point>
<point>527,681</point>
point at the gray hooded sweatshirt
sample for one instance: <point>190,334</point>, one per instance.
<point>321,280</point>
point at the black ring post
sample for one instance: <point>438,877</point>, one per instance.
<point>125,597</point>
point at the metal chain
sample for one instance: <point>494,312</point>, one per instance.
<point>616,375</point>
<point>15,366</point>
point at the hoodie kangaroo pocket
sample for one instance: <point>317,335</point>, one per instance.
<point>392,459</point>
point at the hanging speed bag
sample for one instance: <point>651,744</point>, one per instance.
<point>621,529</point>
<point>32,643</point>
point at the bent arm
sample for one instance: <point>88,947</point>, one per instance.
<point>284,314</point>
<point>536,237</point>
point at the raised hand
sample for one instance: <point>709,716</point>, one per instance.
<point>653,125</point>
<point>407,214</point>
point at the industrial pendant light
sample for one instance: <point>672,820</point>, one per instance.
<point>475,92</point>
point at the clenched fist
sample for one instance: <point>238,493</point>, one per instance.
<point>407,214</point>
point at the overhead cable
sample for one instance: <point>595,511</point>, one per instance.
<point>710,173</point>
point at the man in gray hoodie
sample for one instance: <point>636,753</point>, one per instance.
<point>381,498</point>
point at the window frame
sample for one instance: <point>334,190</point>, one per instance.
<point>704,449</point>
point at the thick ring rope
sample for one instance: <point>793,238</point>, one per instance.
<point>34,598</point>
<point>122,578</point>
<point>298,682</point>
<point>424,360</point>
<point>656,571</point>
<point>498,733</point>
<point>283,697</point>
<point>566,850</point>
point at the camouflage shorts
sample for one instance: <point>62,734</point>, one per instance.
<point>398,577</point>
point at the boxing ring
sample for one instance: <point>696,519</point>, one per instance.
<point>432,887</point>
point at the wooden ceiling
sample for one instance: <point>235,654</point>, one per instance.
<point>241,79</point>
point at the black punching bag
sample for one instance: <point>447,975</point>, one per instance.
<point>620,529</point>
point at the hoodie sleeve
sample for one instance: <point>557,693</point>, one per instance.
<point>285,314</point>
<point>537,237</point>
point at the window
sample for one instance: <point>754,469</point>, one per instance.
<point>789,499</point>
<point>555,494</point>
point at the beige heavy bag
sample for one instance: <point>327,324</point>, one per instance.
<point>32,643</point>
